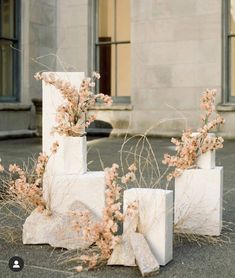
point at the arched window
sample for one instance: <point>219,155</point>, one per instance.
<point>112,48</point>
<point>9,39</point>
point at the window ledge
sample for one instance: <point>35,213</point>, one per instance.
<point>14,107</point>
<point>117,107</point>
<point>226,107</point>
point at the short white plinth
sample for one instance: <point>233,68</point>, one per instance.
<point>71,157</point>
<point>198,201</point>
<point>155,219</point>
<point>207,159</point>
<point>62,191</point>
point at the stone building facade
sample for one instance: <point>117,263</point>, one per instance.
<point>155,56</point>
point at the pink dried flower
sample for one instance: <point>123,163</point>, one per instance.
<point>1,168</point>
<point>96,75</point>
<point>129,177</point>
<point>132,168</point>
<point>79,268</point>
<point>71,115</point>
<point>26,187</point>
<point>54,147</point>
<point>191,146</point>
<point>104,233</point>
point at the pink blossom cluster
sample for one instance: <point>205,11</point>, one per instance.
<point>71,116</point>
<point>28,188</point>
<point>104,233</point>
<point>208,103</point>
<point>130,176</point>
<point>24,185</point>
<point>192,145</point>
<point>1,166</point>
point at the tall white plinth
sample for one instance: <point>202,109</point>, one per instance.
<point>198,201</point>
<point>52,99</point>
<point>71,157</point>
<point>155,219</point>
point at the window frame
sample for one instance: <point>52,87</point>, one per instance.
<point>116,99</point>
<point>226,56</point>
<point>16,63</point>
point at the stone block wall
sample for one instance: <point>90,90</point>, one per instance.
<point>176,54</point>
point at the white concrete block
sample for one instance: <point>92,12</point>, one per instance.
<point>123,253</point>
<point>61,191</point>
<point>71,157</point>
<point>146,261</point>
<point>51,100</point>
<point>155,219</point>
<point>57,229</point>
<point>206,160</point>
<point>198,201</point>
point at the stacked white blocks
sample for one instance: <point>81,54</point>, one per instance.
<point>198,198</point>
<point>66,179</point>
<point>155,219</point>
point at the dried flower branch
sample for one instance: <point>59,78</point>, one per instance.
<point>71,116</point>
<point>25,186</point>
<point>192,145</point>
<point>104,234</point>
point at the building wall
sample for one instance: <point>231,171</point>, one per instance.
<point>73,48</point>
<point>176,54</point>
<point>41,41</point>
<point>54,37</point>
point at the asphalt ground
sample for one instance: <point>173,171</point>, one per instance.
<point>190,259</point>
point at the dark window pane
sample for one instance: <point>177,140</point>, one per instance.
<point>6,73</point>
<point>232,67</point>
<point>113,55</point>
<point>7,18</point>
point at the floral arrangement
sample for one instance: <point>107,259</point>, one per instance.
<point>71,116</point>
<point>104,234</point>
<point>192,145</point>
<point>24,185</point>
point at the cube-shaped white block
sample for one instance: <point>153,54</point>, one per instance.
<point>62,191</point>
<point>198,201</point>
<point>51,100</point>
<point>206,160</point>
<point>155,219</point>
<point>70,158</point>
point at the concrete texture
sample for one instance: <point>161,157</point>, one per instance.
<point>155,208</point>
<point>198,201</point>
<point>190,260</point>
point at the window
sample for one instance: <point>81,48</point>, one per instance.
<point>9,31</point>
<point>113,57</point>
